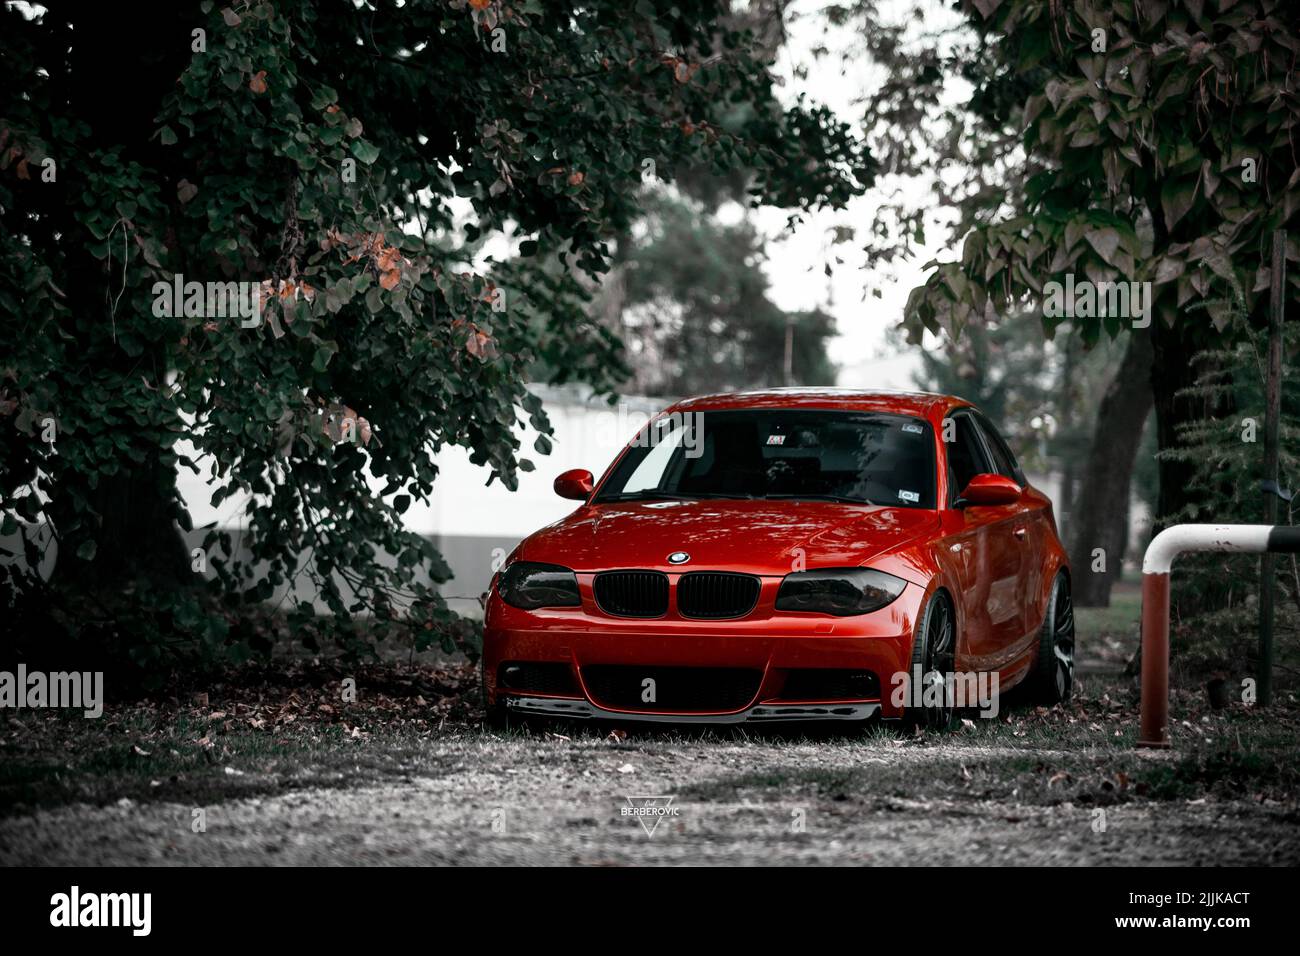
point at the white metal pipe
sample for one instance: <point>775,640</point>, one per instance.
<point>1171,542</point>
<point>1156,565</point>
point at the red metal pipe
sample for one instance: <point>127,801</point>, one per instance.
<point>1155,661</point>
<point>1156,565</point>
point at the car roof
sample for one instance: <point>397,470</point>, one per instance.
<point>923,404</point>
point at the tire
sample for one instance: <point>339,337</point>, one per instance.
<point>934,650</point>
<point>1053,675</point>
<point>495,716</point>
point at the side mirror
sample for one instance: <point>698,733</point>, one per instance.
<point>576,484</point>
<point>990,489</point>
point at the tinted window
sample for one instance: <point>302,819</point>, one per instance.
<point>965,453</point>
<point>1003,459</point>
<point>760,453</point>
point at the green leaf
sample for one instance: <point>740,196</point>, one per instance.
<point>1106,242</point>
<point>1168,269</point>
<point>324,352</point>
<point>1176,198</point>
<point>325,96</point>
<point>365,151</point>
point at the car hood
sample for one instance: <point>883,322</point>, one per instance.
<point>763,537</point>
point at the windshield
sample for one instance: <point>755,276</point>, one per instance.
<point>854,457</point>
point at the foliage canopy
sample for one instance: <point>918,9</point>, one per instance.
<point>357,162</point>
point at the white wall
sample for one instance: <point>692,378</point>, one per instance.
<point>587,435</point>
<point>471,523</point>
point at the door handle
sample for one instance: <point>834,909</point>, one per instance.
<point>1020,533</point>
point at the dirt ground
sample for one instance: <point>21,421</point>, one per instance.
<point>281,773</point>
<point>477,798</point>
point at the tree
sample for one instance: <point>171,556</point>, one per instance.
<point>1102,524</point>
<point>1158,147</point>
<point>1224,455</point>
<point>319,155</point>
<point>1067,411</point>
<point>1007,369</point>
<point>948,114</point>
<point>696,312</point>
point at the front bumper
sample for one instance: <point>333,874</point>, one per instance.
<point>772,644</point>
<point>758,713</point>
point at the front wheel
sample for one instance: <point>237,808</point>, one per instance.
<point>1054,669</point>
<point>934,655</point>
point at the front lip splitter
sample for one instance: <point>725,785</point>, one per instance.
<point>757,713</point>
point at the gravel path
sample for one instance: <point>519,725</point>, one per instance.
<point>475,798</point>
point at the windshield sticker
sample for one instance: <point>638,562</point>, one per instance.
<point>776,439</point>
<point>914,429</point>
<point>911,496</point>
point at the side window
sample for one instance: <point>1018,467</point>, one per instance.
<point>965,455</point>
<point>1003,459</point>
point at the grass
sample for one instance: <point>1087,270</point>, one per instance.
<point>258,732</point>
<point>1123,617</point>
<point>1108,636</point>
<point>142,758</point>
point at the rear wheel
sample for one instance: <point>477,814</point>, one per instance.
<point>1054,669</point>
<point>934,651</point>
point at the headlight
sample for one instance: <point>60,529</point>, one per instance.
<point>841,591</point>
<point>529,585</point>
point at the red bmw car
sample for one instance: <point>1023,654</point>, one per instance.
<point>785,555</point>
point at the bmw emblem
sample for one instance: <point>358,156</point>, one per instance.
<point>678,557</point>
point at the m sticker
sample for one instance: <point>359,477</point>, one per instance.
<point>776,439</point>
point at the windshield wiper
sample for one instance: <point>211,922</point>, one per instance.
<point>843,499</point>
<point>649,495</point>
<point>643,496</point>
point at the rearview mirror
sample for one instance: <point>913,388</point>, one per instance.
<point>576,484</point>
<point>990,489</point>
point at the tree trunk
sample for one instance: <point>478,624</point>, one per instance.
<point>135,533</point>
<point>1101,511</point>
<point>1066,408</point>
<point>1171,371</point>
<point>1065,507</point>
